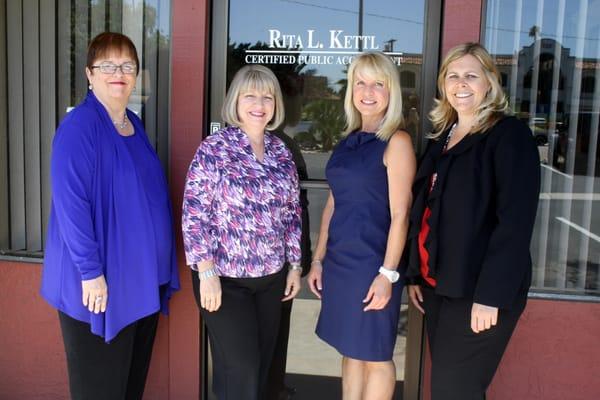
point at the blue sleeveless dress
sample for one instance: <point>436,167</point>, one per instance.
<point>356,247</point>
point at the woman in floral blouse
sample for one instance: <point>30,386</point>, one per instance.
<point>241,222</point>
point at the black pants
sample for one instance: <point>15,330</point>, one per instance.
<point>113,371</point>
<point>278,365</point>
<point>242,334</point>
<point>463,362</point>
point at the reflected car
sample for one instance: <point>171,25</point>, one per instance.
<point>540,131</point>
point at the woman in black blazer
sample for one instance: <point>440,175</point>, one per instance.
<point>475,198</point>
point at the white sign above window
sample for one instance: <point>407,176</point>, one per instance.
<point>314,48</point>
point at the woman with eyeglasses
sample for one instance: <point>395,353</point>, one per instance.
<point>109,266</point>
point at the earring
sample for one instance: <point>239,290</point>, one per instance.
<point>90,86</point>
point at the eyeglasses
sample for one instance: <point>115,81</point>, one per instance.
<point>110,68</point>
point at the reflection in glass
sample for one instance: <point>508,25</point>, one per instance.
<point>548,52</point>
<point>309,46</point>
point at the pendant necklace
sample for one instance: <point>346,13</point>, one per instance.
<point>121,124</point>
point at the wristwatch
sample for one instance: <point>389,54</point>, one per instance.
<point>295,267</point>
<point>391,274</point>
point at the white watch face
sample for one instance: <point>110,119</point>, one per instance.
<point>393,276</point>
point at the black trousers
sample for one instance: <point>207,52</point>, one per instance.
<point>243,333</point>
<point>113,371</point>
<point>278,365</point>
<point>463,363</point>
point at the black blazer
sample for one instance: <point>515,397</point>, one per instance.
<point>483,210</point>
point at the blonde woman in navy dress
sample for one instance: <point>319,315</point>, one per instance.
<point>363,230</point>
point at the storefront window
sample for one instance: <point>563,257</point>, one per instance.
<point>43,48</point>
<point>548,52</point>
<point>309,46</point>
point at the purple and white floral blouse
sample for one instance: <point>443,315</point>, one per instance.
<point>239,212</point>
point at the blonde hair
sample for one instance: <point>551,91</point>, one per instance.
<point>375,65</point>
<point>253,77</point>
<point>493,107</point>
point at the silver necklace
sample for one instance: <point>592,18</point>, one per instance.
<point>444,149</point>
<point>449,137</point>
<point>121,124</point>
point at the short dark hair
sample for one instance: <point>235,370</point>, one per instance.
<point>107,42</point>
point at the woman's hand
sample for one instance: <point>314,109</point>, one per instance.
<point>416,297</point>
<point>483,317</point>
<point>314,278</point>
<point>379,293</point>
<point>292,285</point>
<point>95,294</point>
<point>210,293</point>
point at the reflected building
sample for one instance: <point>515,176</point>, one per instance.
<point>552,90</point>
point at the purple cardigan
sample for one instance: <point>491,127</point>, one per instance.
<point>110,215</point>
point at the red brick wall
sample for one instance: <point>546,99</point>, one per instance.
<point>553,354</point>
<point>32,360</point>
<point>32,356</point>
<point>461,22</point>
<point>188,120</point>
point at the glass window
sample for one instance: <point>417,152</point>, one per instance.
<point>549,52</point>
<point>309,46</point>
<point>42,75</point>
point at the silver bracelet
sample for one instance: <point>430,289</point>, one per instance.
<point>207,274</point>
<point>316,262</point>
<point>295,267</point>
